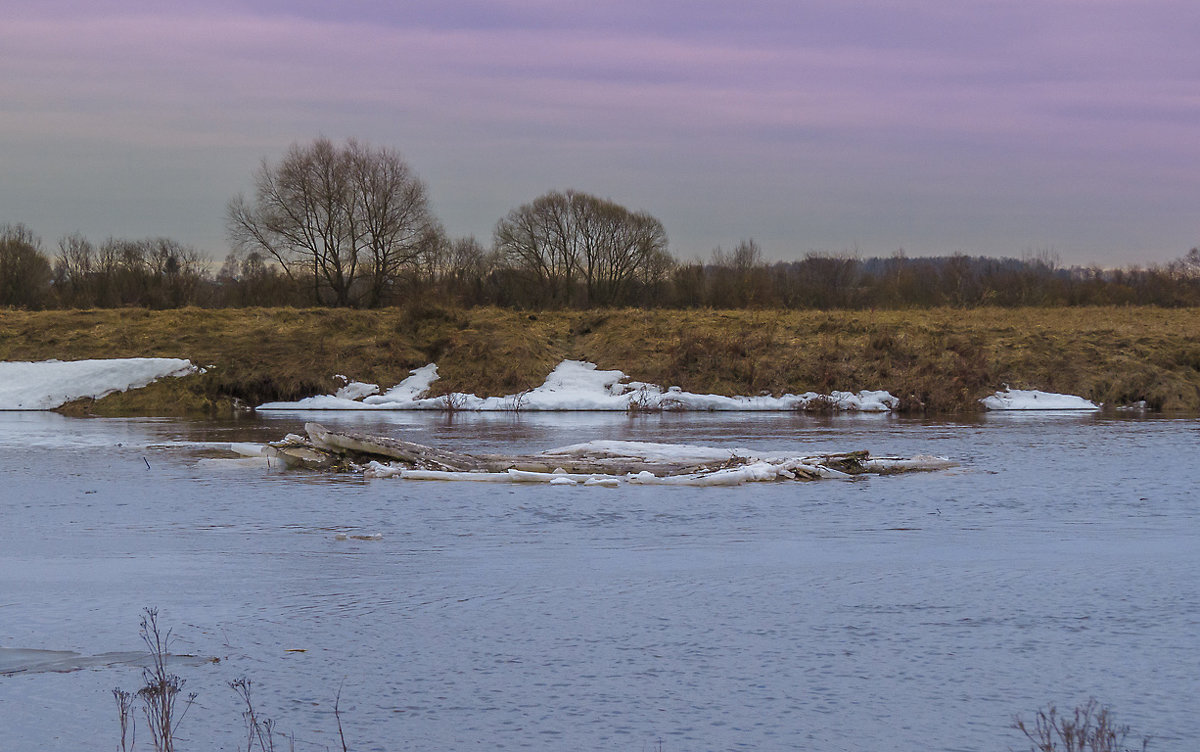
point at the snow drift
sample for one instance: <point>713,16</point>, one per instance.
<point>577,385</point>
<point>49,384</point>
<point>1031,399</point>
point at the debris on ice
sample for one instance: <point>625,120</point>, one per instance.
<point>606,463</point>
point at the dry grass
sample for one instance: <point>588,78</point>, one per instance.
<point>1090,727</point>
<point>941,359</point>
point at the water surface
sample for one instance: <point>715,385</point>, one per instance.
<point>915,612</point>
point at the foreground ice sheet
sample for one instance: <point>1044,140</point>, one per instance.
<point>577,385</point>
<point>1031,399</point>
<point>49,384</point>
<point>37,661</point>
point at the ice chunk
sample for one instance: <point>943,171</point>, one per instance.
<point>409,390</point>
<point>241,463</point>
<point>452,475</point>
<point>527,476</point>
<point>246,449</point>
<point>900,464</point>
<point>865,401</point>
<point>376,469</point>
<point>607,482</point>
<point>752,473</point>
<point>1022,399</point>
<point>356,390</point>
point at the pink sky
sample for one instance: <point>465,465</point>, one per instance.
<point>995,128</point>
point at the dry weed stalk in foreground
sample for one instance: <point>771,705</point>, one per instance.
<point>160,693</point>
<point>128,719</point>
<point>1091,728</point>
<point>163,715</point>
<point>259,730</point>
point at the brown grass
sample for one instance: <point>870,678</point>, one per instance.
<point>939,360</point>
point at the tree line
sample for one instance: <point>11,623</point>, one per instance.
<point>350,225</point>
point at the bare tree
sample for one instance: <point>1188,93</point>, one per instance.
<point>466,260</point>
<point>429,265</point>
<point>564,239</point>
<point>535,240</point>
<point>174,271</point>
<point>392,221</point>
<point>1191,263</point>
<point>73,270</point>
<point>620,248</point>
<point>24,271</point>
<point>740,276</point>
<point>348,218</point>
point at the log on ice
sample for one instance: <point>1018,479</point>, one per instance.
<point>431,458</point>
<point>603,463</point>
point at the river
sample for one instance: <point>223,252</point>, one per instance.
<point>1059,561</point>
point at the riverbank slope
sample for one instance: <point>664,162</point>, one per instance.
<point>940,360</point>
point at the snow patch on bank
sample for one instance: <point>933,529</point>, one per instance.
<point>1032,399</point>
<point>49,384</point>
<point>578,385</point>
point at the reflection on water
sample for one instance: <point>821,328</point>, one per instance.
<point>915,612</point>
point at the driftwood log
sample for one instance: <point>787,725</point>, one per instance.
<point>326,449</point>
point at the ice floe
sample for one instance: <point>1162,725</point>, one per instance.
<point>1031,399</point>
<point>595,463</point>
<point>754,471</point>
<point>48,384</point>
<point>37,661</point>
<point>578,385</point>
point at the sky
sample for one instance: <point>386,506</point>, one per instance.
<point>1000,128</point>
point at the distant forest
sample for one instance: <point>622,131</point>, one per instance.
<point>161,273</point>
<point>349,226</point>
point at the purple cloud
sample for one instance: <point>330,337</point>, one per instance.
<point>980,127</point>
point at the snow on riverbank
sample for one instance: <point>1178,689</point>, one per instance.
<point>49,384</point>
<point>572,385</point>
<point>576,385</point>
<point>1031,399</point>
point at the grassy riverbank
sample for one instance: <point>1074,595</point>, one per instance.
<point>940,360</point>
